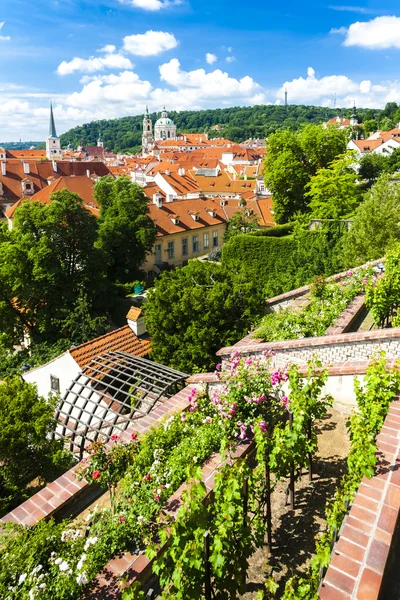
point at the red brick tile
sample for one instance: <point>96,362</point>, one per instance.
<point>373,482</point>
<point>351,550</point>
<point>392,497</point>
<point>365,503</point>
<point>388,518</point>
<point>395,477</point>
<point>377,556</point>
<point>382,536</point>
<point>328,592</point>
<point>340,580</point>
<point>361,525</point>
<point>354,535</point>
<point>370,492</point>
<point>345,564</point>
<point>369,586</point>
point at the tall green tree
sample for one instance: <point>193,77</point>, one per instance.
<point>334,191</point>
<point>127,232</point>
<point>370,126</point>
<point>46,262</point>
<point>194,311</point>
<point>292,159</point>
<point>376,226</point>
<point>26,448</point>
<point>372,166</point>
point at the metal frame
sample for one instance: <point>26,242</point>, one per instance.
<point>109,393</point>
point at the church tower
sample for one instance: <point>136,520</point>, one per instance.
<point>147,136</point>
<point>53,144</point>
<point>100,143</point>
<point>353,118</point>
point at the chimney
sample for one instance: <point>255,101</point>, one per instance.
<point>181,171</point>
<point>54,163</point>
<point>4,168</point>
<point>26,168</point>
<point>170,197</point>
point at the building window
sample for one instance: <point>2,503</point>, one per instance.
<point>206,241</point>
<point>157,251</point>
<point>215,239</point>
<point>195,241</point>
<point>184,247</point>
<point>54,383</point>
<point>170,250</point>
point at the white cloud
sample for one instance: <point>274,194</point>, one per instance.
<point>94,63</point>
<point>357,9</point>
<point>4,38</point>
<point>151,5</point>
<point>312,89</point>
<point>310,72</point>
<point>150,43</point>
<point>377,34</point>
<point>230,59</point>
<point>211,58</point>
<point>108,49</point>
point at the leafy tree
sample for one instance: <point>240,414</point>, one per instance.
<point>193,311</point>
<point>370,126</point>
<point>46,262</point>
<point>126,231</point>
<point>240,222</point>
<point>372,166</point>
<point>386,124</point>
<point>376,226</point>
<point>292,159</point>
<point>26,449</point>
<point>333,190</point>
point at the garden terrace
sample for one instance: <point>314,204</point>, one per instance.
<point>110,393</point>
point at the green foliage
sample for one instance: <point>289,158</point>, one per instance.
<point>241,222</point>
<point>380,388</point>
<point>239,123</point>
<point>49,269</point>
<point>334,190</point>
<point>26,449</point>
<point>12,362</point>
<point>276,231</point>
<point>126,231</point>
<point>386,124</point>
<point>293,159</point>
<point>372,166</point>
<point>370,126</point>
<point>383,295</point>
<point>376,226</point>
<point>327,302</point>
<point>280,264</point>
<point>193,311</point>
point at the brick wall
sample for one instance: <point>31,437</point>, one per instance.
<point>359,558</point>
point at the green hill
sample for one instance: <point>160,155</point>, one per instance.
<point>239,123</point>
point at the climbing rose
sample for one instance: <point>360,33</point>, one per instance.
<point>96,474</point>
<point>134,436</point>
<point>263,426</point>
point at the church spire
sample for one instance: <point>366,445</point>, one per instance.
<point>52,127</point>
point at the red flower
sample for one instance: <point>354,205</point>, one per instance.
<point>114,438</point>
<point>122,519</point>
<point>96,474</point>
<point>134,436</point>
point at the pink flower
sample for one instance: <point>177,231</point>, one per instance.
<point>249,361</point>
<point>114,438</point>
<point>365,281</point>
<point>156,498</point>
<point>285,401</point>
<point>122,519</point>
<point>218,367</point>
<point>133,436</point>
<point>183,417</point>
<point>96,474</point>
<point>147,477</point>
<point>349,273</point>
<point>263,426</point>
<point>208,419</point>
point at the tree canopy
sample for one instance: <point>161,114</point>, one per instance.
<point>241,222</point>
<point>126,231</point>
<point>194,311</point>
<point>26,448</point>
<point>293,158</point>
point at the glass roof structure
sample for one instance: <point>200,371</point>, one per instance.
<point>109,394</point>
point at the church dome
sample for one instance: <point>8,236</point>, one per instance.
<point>165,122</point>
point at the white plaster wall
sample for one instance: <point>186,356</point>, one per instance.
<point>64,367</point>
<point>138,327</point>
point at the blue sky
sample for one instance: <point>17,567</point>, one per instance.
<point>110,58</point>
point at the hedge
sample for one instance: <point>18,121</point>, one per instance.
<point>276,231</point>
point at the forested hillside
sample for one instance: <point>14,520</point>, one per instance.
<point>238,124</point>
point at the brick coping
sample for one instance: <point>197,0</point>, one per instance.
<point>137,567</point>
<point>66,489</point>
<point>348,316</point>
<point>306,288</point>
<point>359,558</point>
<point>344,338</point>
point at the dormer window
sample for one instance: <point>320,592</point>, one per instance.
<point>174,219</point>
<point>242,202</point>
<point>211,212</point>
<point>222,202</point>
<point>27,186</point>
<point>194,215</point>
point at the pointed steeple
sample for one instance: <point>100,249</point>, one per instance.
<point>52,127</point>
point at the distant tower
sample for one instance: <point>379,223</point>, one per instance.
<point>285,97</point>
<point>53,144</point>
<point>100,143</point>
<point>147,136</point>
<point>164,128</point>
<point>353,118</point>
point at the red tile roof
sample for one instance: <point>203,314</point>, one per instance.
<point>134,313</point>
<point>122,339</point>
